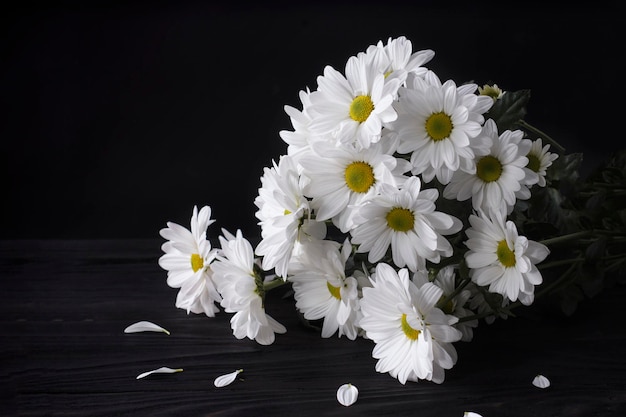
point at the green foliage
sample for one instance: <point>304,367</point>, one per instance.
<point>509,109</point>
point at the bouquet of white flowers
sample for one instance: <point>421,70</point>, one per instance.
<point>406,210</point>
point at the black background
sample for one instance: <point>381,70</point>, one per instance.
<point>119,117</point>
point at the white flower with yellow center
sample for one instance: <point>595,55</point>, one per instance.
<point>243,291</point>
<point>187,259</point>
<point>284,215</point>
<point>396,59</point>
<point>322,290</point>
<point>413,337</point>
<point>492,91</point>
<point>539,160</point>
<point>501,175</point>
<point>455,301</point>
<point>501,259</point>
<point>439,125</point>
<point>353,108</point>
<point>342,178</point>
<point>406,220</point>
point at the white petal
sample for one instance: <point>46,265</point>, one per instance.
<point>541,381</point>
<point>227,379</point>
<point>162,370</point>
<point>145,326</point>
<point>347,394</point>
<point>471,414</point>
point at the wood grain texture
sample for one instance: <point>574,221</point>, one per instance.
<point>64,353</point>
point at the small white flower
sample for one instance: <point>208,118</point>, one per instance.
<point>439,125</point>
<point>406,220</point>
<point>353,108</point>
<point>471,414</point>
<point>500,177</point>
<point>226,379</point>
<point>187,259</point>
<point>539,160</point>
<point>502,259</point>
<point>284,216</point>
<point>413,337</point>
<point>541,381</point>
<point>347,394</point>
<point>492,91</point>
<point>322,290</point>
<point>161,370</point>
<point>145,326</point>
<point>242,290</point>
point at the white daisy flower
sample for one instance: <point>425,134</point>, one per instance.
<point>492,91</point>
<point>539,160</point>
<point>187,259</point>
<point>501,176</point>
<point>242,290</point>
<point>396,59</point>
<point>341,178</point>
<point>406,220</point>
<point>500,258</point>
<point>413,338</point>
<point>439,125</point>
<point>299,140</point>
<point>284,215</point>
<point>456,306</point>
<point>322,290</point>
<point>353,108</point>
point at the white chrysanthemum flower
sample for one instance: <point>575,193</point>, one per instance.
<point>242,290</point>
<point>187,259</point>
<point>342,178</point>
<point>501,176</point>
<point>539,160</point>
<point>396,59</point>
<point>500,258</point>
<point>492,91</point>
<point>300,139</point>
<point>406,220</point>
<point>284,215</point>
<point>353,108</point>
<point>456,306</point>
<point>439,125</point>
<point>413,338</point>
<point>322,290</point>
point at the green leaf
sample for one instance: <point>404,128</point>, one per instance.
<point>509,109</point>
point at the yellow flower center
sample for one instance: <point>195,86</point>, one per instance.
<point>410,332</point>
<point>439,126</point>
<point>334,291</point>
<point>361,108</point>
<point>286,212</point>
<point>533,162</point>
<point>489,168</point>
<point>505,255</point>
<point>196,262</point>
<point>359,176</point>
<point>400,219</point>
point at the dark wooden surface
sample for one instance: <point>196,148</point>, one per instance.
<point>66,303</point>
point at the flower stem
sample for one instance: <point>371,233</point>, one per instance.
<point>544,135</point>
<point>274,284</point>
<point>565,238</point>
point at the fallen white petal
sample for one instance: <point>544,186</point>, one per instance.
<point>144,326</point>
<point>161,370</point>
<point>227,379</point>
<point>471,414</point>
<point>347,394</point>
<point>541,381</point>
